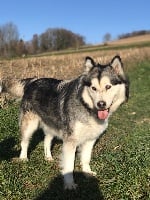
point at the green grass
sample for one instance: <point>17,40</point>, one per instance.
<point>121,157</point>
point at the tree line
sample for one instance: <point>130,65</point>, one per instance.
<point>134,33</point>
<point>107,36</point>
<point>53,39</point>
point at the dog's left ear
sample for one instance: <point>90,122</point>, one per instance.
<point>117,65</point>
<point>89,64</point>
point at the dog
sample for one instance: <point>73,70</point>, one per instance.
<point>76,111</point>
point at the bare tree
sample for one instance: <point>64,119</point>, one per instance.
<point>51,39</point>
<point>9,37</point>
<point>107,37</point>
<point>59,38</point>
<point>35,43</point>
<point>10,32</point>
<point>21,48</point>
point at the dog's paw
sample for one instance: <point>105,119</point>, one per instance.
<point>16,160</point>
<point>20,159</point>
<point>70,186</point>
<point>90,173</point>
<point>23,159</point>
<point>49,159</point>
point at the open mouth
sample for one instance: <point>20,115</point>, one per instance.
<point>103,114</point>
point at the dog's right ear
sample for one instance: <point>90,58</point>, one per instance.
<point>89,64</point>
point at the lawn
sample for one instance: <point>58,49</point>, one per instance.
<point>121,157</point>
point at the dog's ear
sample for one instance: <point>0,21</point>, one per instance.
<point>89,64</point>
<point>117,65</point>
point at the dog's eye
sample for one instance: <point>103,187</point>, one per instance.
<point>108,87</point>
<point>93,88</point>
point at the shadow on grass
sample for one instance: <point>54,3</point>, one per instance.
<point>7,149</point>
<point>88,189</point>
<point>37,137</point>
<point>8,146</point>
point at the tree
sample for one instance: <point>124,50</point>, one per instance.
<point>58,39</point>
<point>107,37</point>
<point>52,39</point>
<point>35,43</point>
<point>10,32</point>
<point>9,37</point>
<point>43,42</point>
<point>20,48</point>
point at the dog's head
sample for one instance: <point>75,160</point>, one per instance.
<point>105,86</point>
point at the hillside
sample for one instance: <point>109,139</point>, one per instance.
<point>131,40</point>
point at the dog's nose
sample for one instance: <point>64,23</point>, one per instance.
<point>101,104</point>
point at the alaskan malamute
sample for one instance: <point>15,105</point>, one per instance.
<point>76,111</point>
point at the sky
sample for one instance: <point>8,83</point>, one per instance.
<point>89,18</point>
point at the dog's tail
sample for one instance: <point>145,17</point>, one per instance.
<point>14,87</point>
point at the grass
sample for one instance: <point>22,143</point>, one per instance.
<point>120,158</point>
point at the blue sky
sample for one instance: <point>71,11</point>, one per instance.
<point>90,18</point>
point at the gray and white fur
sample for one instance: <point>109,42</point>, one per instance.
<point>76,111</point>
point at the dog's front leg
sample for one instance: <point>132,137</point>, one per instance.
<point>47,147</point>
<point>68,157</point>
<point>85,156</point>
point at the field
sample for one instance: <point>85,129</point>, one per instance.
<point>132,40</point>
<point>120,158</point>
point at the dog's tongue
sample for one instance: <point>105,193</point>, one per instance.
<point>102,114</point>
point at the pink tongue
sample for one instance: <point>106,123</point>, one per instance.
<point>102,114</point>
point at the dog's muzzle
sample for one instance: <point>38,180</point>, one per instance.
<point>103,112</point>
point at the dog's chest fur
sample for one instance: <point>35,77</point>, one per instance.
<point>81,132</point>
<point>89,131</point>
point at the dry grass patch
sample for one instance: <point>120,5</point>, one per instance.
<point>66,66</point>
